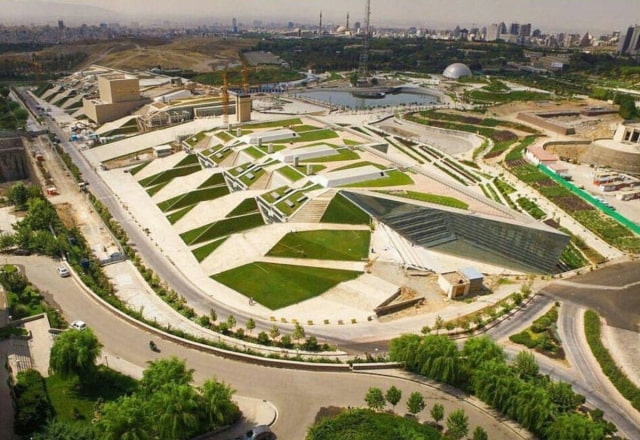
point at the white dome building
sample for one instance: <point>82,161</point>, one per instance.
<point>456,70</point>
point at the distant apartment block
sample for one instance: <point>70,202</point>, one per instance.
<point>630,42</point>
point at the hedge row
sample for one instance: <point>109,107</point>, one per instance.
<point>609,367</point>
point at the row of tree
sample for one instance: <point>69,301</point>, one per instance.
<point>457,422</point>
<point>547,408</point>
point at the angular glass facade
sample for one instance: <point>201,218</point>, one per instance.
<point>527,247</point>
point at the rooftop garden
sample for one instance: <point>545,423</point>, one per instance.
<point>429,198</point>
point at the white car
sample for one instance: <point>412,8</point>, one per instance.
<point>78,325</point>
<point>64,272</point>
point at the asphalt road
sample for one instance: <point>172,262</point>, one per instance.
<point>613,291</point>
<point>298,395</point>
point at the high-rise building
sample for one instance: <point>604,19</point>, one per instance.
<point>514,29</point>
<point>493,33</point>
<point>502,28</point>
<point>630,44</point>
<point>525,30</point>
<point>60,25</point>
<point>234,25</point>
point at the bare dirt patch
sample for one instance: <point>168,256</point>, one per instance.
<point>66,214</point>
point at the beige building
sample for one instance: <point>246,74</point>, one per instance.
<point>119,96</point>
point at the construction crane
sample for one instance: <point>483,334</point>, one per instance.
<point>363,67</point>
<point>225,98</point>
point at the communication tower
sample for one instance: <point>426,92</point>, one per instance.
<point>363,68</point>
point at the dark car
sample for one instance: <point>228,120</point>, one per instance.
<point>260,432</point>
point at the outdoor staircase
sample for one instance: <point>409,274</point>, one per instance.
<point>20,357</point>
<point>313,210</point>
<point>405,249</point>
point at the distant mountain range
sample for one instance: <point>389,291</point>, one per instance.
<point>37,12</point>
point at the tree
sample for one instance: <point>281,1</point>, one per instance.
<point>263,338</point>
<point>251,325</point>
<point>18,195</point>
<point>525,365</point>
<point>393,396</point>
<point>274,332</point>
<point>218,404</point>
<point>478,350</point>
<point>573,426</point>
<point>285,341</point>
<point>457,425</point>
<point>125,418</point>
<point>298,332</point>
<point>437,413</point>
<point>12,279</point>
<point>438,324</point>
<point>375,399</point>
<point>479,434</point>
<point>164,371</point>
<point>75,352</point>
<point>174,411</point>
<point>415,403</point>
<point>213,315</point>
<point>231,322</point>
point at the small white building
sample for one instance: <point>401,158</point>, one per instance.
<point>454,284</point>
<point>462,282</point>
<point>348,176</point>
<point>538,155</point>
<point>560,169</point>
<point>162,150</point>
<point>261,138</point>
<point>305,153</point>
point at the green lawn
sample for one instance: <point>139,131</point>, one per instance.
<point>214,180</point>
<point>245,207</point>
<point>343,154</point>
<point>138,168</point>
<point>222,228</point>
<point>394,178</point>
<point>342,211</point>
<point>204,251</point>
<point>254,152</point>
<point>168,175</point>
<point>193,140</point>
<point>189,159</point>
<point>66,394</point>
<point>430,198</point>
<point>273,124</point>
<point>324,245</point>
<point>279,285</point>
<point>315,135</point>
<point>193,197</point>
<point>290,173</point>
<point>177,215</point>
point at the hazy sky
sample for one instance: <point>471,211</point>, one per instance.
<point>547,15</point>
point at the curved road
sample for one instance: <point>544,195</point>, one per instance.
<point>584,374</point>
<point>298,395</point>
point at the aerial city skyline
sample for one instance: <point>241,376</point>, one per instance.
<point>567,15</point>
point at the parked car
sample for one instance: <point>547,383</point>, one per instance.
<point>64,272</point>
<point>78,325</point>
<point>260,432</point>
